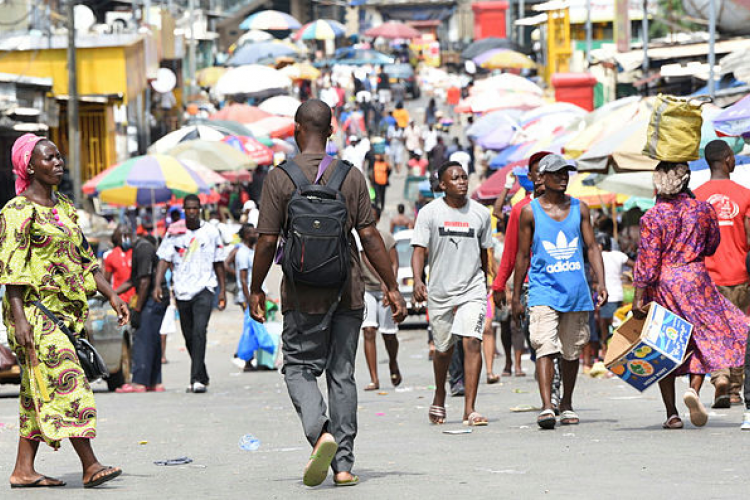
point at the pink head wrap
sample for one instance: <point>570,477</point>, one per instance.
<point>21,157</point>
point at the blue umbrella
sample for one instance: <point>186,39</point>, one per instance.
<point>734,120</point>
<point>251,53</point>
<point>497,139</point>
<point>503,157</point>
<point>356,57</point>
<point>703,165</point>
<point>491,121</point>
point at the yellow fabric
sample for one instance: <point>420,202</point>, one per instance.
<point>674,130</point>
<point>48,260</point>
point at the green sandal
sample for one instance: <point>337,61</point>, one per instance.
<point>316,469</point>
<point>347,482</point>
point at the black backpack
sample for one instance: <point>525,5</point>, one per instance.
<point>316,248</point>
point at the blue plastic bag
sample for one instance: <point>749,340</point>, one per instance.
<point>254,337</point>
<point>248,342</point>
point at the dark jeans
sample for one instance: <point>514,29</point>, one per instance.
<point>306,357</point>
<point>380,194</point>
<point>194,316</point>
<point>146,363</point>
<point>456,368</point>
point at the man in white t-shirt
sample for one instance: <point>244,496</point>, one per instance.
<point>197,263</point>
<point>455,233</point>
<point>614,261</point>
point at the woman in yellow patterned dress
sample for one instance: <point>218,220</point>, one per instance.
<point>44,257</point>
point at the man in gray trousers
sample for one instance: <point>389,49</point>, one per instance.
<point>331,350</point>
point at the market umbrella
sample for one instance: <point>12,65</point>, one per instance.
<point>270,20</point>
<point>322,29</point>
<point>210,177</point>
<point>239,176</point>
<point>552,111</point>
<point>709,133</point>
<point>394,30</point>
<point>478,47</point>
<point>216,155</point>
<point>241,113</point>
<point>260,153</point>
<point>251,53</point>
<point>358,57</point>
<point>498,139</point>
<point>252,80</point>
<point>273,126</point>
<point>504,59</point>
<point>582,186</point>
<point>231,127</point>
<point>281,105</point>
<point>300,71</point>
<point>188,133</point>
<point>491,188</point>
<point>734,120</point>
<point>253,36</point>
<point>492,121</point>
<point>620,150</point>
<point>145,180</point>
<point>495,100</point>
<point>507,82</point>
<point>207,77</point>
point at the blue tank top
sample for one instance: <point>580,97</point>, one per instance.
<point>556,275</point>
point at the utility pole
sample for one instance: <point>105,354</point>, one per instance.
<point>74,138</point>
<point>589,34</point>
<point>644,37</point>
<point>191,68</point>
<point>711,47</point>
<point>521,15</point>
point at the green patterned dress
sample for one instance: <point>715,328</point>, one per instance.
<point>47,258</point>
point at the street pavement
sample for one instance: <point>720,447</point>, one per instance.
<point>618,451</point>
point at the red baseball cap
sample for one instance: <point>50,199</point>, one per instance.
<point>536,157</point>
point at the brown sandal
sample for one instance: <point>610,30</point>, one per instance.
<point>493,378</point>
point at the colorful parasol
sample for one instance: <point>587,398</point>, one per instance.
<point>300,71</point>
<point>393,29</point>
<point>145,180</point>
<point>260,153</point>
<point>188,133</point>
<point>207,77</point>
<point>274,127</point>
<point>240,113</point>
<point>216,155</point>
<point>270,20</point>
<point>322,29</point>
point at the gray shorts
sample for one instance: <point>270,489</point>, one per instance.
<point>465,320</point>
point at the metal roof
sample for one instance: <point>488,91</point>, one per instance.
<point>26,42</point>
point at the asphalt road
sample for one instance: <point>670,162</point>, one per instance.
<point>618,451</point>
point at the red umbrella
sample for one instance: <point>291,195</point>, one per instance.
<point>491,188</point>
<point>393,29</point>
<point>260,153</point>
<point>274,127</point>
<point>241,113</point>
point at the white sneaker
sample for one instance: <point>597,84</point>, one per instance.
<point>198,387</point>
<point>745,421</point>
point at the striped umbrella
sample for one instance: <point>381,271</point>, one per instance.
<point>270,20</point>
<point>322,29</point>
<point>187,133</point>
<point>145,180</point>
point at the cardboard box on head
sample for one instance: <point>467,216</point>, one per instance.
<point>642,352</point>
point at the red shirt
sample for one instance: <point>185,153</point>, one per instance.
<point>453,95</point>
<point>508,260</point>
<point>732,204</point>
<point>119,263</point>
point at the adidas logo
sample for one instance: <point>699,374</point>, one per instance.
<point>561,267</point>
<point>562,250</point>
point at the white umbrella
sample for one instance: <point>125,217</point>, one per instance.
<point>282,105</point>
<point>188,133</point>
<point>254,36</point>
<point>508,82</point>
<point>251,79</point>
<point>638,184</point>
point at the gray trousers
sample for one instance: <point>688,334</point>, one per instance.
<point>306,357</point>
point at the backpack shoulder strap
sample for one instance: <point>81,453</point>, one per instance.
<point>295,173</point>
<point>337,179</point>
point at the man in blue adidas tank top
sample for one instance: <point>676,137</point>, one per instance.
<point>553,230</point>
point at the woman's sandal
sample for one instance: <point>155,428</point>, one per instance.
<point>396,379</point>
<point>475,419</point>
<point>102,476</point>
<point>673,422</point>
<point>437,415</point>
<point>507,373</point>
<point>493,378</point>
<point>546,419</point>
<point>372,386</point>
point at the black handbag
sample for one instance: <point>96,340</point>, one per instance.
<point>91,361</point>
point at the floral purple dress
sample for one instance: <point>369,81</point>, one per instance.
<point>676,235</point>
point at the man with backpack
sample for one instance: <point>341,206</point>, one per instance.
<point>315,203</point>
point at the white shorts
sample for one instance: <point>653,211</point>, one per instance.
<point>466,320</point>
<point>378,316</point>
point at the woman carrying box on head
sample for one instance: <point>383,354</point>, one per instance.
<point>676,235</point>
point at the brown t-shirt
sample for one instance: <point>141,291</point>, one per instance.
<point>277,191</point>
<point>372,281</point>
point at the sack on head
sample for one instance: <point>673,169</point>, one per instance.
<point>674,130</point>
